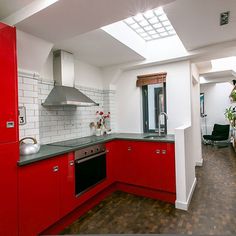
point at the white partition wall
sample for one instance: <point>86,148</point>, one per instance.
<point>184,166</point>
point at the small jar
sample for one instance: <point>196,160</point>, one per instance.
<point>98,132</point>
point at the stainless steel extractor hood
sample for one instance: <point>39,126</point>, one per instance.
<point>64,93</point>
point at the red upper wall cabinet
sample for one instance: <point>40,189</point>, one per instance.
<point>8,88</point>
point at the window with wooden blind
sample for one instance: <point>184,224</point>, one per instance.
<point>154,101</point>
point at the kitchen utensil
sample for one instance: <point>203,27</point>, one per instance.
<point>29,148</point>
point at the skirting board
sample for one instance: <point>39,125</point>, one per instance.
<point>184,205</point>
<point>199,163</point>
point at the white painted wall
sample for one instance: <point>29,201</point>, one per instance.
<point>129,97</point>
<point>85,74</point>
<point>184,166</point>
<point>32,52</point>
<point>216,101</point>
<point>196,120</point>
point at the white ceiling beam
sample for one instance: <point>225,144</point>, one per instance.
<point>27,11</point>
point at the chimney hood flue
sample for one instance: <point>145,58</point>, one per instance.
<point>64,93</point>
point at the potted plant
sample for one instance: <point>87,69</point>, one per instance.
<point>100,124</point>
<point>230,115</point>
<point>233,95</point>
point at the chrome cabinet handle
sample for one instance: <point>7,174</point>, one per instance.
<point>163,152</point>
<point>158,151</point>
<point>71,163</point>
<point>55,169</point>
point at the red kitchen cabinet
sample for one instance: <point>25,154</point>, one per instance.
<point>38,196</point>
<point>156,163</point>
<point>148,164</point>
<point>168,167</point>
<point>68,200</point>
<point>9,97</point>
<point>9,153</point>
<point>124,161</point>
<point>46,193</point>
<point>111,159</point>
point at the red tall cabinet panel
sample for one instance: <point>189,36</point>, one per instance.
<point>8,88</point>
<point>9,148</point>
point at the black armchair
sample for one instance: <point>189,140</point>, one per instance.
<point>220,133</point>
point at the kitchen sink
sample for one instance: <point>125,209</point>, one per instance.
<point>155,136</point>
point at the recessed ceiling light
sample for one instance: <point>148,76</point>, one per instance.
<point>147,28</point>
<point>157,25</point>
<point>139,17</point>
<point>148,38</point>
<point>169,27</point>
<point>166,23</point>
<point>163,18</point>
<point>152,32</point>
<point>160,30</point>
<point>143,23</point>
<point>140,30</point>
<point>159,11</point>
<point>164,34</point>
<point>135,26</point>
<point>148,14</point>
<point>151,25</point>
<point>156,36</point>
<point>153,20</point>
<point>129,21</point>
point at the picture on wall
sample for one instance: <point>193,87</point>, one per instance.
<point>202,104</point>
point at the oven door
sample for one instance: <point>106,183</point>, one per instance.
<point>89,171</point>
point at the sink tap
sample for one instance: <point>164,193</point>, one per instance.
<point>159,121</point>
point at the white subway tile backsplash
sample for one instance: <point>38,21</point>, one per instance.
<point>52,124</point>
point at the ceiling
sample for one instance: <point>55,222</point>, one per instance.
<point>219,76</point>
<point>99,48</point>
<point>74,25</point>
<point>197,21</point>
<point>65,19</point>
<point>8,7</point>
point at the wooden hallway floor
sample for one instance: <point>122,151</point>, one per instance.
<point>212,210</point>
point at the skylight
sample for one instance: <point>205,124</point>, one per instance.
<point>151,25</point>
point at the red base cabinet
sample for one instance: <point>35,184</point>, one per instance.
<point>46,193</point>
<point>38,196</point>
<point>145,164</point>
<point>47,188</point>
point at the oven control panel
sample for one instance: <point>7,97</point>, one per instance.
<point>90,151</point>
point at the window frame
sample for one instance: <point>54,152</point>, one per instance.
<point>146,111</point>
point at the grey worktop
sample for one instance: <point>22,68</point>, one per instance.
<point>48,151</point>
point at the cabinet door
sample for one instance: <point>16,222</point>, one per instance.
<point>168,167</point>
<point>148,164</point>
<point>124,170</point>
<point>9,154</point>
<point>8,80</point>
<point>68,200</point>
<point>38,196</point>
<point>111,159</point>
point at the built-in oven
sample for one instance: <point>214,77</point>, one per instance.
<point>90,167</point>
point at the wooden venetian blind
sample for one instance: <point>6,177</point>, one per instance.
<point>157,78</point>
